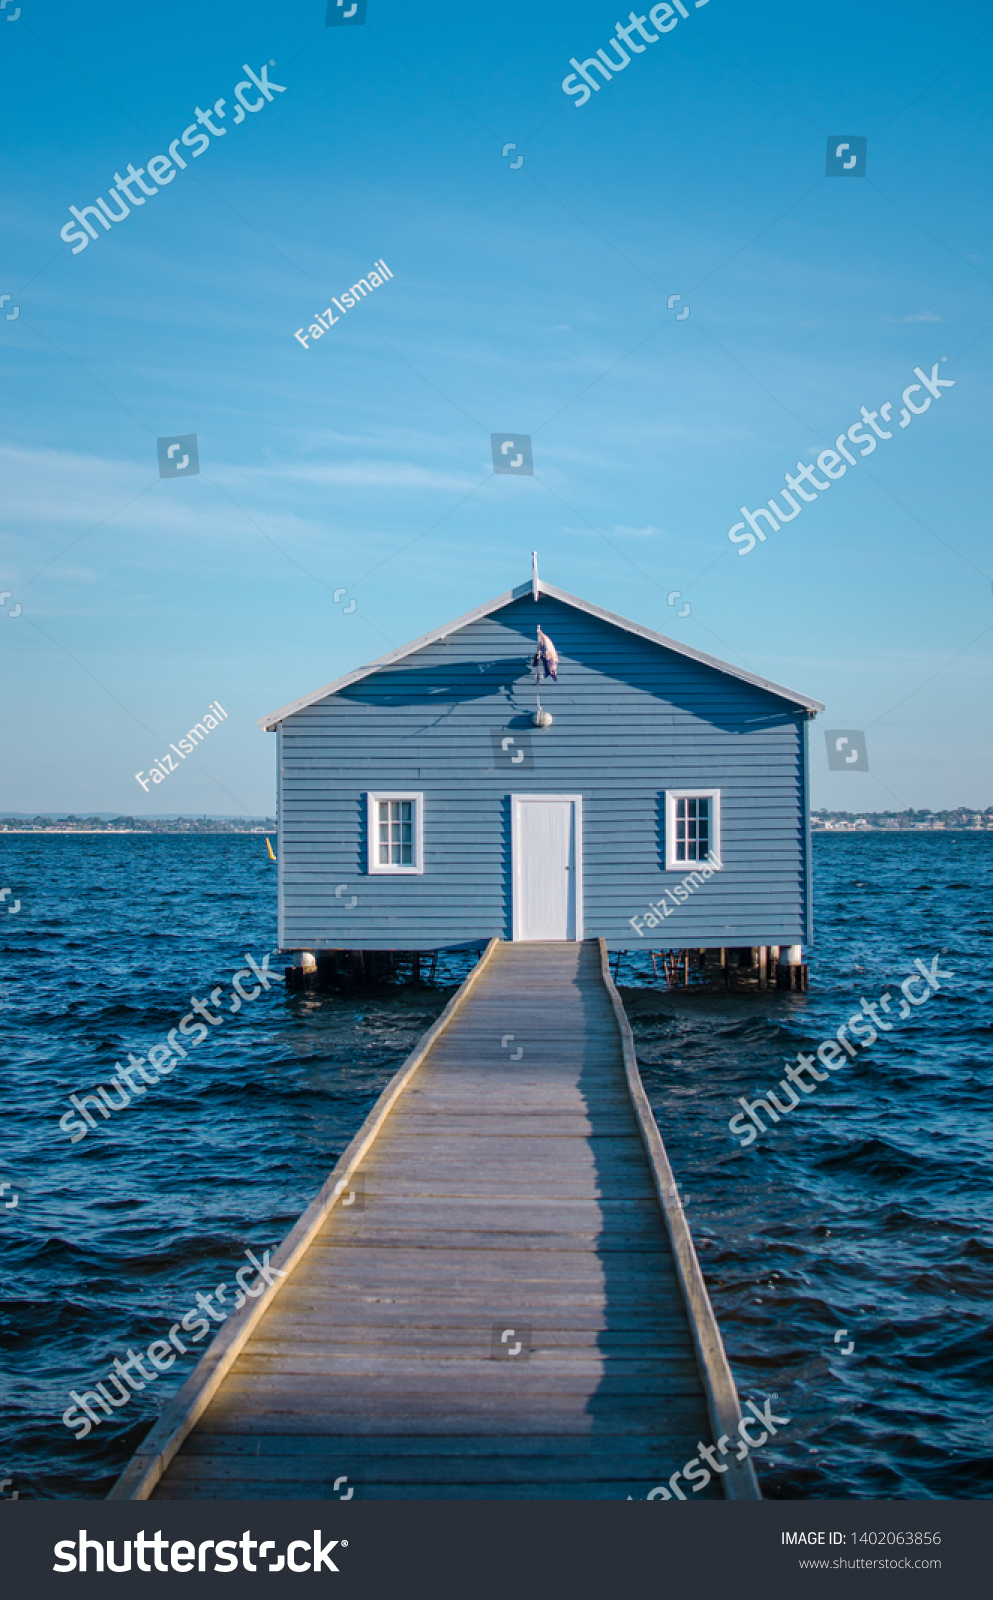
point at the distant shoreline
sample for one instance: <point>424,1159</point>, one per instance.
<point>923,828</point>
<point>200,833</point>
<point>96,822</point>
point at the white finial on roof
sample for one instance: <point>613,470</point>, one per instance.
<point>534,574</point>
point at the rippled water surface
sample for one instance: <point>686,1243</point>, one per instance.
<point>868,1209</point>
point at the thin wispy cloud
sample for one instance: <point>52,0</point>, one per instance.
<point>356,474</point>
<point>917,316</point>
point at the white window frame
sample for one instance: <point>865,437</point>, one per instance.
<point>714,859</point>
<point>377,868</point>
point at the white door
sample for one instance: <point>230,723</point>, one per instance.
<point>547,847</point>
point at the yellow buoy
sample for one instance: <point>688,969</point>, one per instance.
<point>269,848</point>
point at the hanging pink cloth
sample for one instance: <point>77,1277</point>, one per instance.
<point>547,658</point>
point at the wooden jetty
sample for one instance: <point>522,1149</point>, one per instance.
<point>494,1295</point>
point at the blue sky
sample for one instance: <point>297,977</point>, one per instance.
<point>530,299</point>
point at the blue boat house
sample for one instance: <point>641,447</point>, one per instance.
<point>647,794</point>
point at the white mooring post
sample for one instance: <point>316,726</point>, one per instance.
<point>303,971</point>
<point>791,972</point>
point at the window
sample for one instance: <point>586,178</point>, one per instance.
<point>692,829</point>
<point>396,833</point>
<point>395,836</point>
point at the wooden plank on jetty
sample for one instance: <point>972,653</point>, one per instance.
<point>510,1306</point>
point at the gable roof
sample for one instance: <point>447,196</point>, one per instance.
<point>272,721</point>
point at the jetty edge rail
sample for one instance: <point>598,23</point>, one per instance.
<point>185,1409</point>
<point>739,1482</point>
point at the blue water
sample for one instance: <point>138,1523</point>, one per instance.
<point>868,1209</point>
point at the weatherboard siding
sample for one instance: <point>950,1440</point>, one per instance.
<point>631,719</point>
